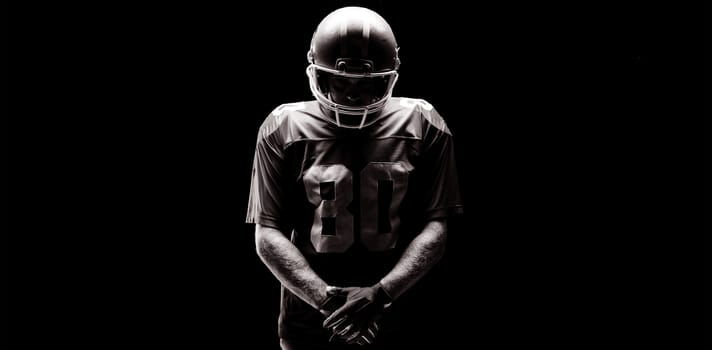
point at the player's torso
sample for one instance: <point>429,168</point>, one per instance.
<point>352,189</point>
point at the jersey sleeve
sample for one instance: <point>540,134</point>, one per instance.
<point>267,200</point>
<point>441,192</point>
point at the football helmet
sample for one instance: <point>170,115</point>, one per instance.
<point>353,63</point>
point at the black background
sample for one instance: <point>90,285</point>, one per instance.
<point>141,124</point>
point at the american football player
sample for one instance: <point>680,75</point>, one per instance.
<point>351,192</point>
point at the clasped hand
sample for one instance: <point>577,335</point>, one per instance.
<point>353,312</point>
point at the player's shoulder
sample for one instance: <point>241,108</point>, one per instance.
<point>287,113</point>
<point>419,110</point>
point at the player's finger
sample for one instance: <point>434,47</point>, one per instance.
<point>372,332</point>
<point>332,322</point>
<point>340,324</point>
<point>333,319</point>
<point>345,327</point>
<point>366,339</point>
<point>342,331</point>
<point>338,316</point>
<point>362,340</point>
<point>332,290</point>
<point>352,336</point>
<point>347,310</point>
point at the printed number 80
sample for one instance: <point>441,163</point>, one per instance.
<point>330,189</point>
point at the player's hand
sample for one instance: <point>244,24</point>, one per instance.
<point>335,298</point>
<point>351,335</point>
<point>363,306</point>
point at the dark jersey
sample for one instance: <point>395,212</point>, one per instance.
<point>351,199</point>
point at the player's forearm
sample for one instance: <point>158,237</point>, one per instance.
<point>420,255</point>
<point>289,265</point>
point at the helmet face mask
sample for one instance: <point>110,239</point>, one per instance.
<point>353,64</point>
<point>344,89</point>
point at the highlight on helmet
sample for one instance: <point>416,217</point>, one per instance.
<point>353,63</point>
